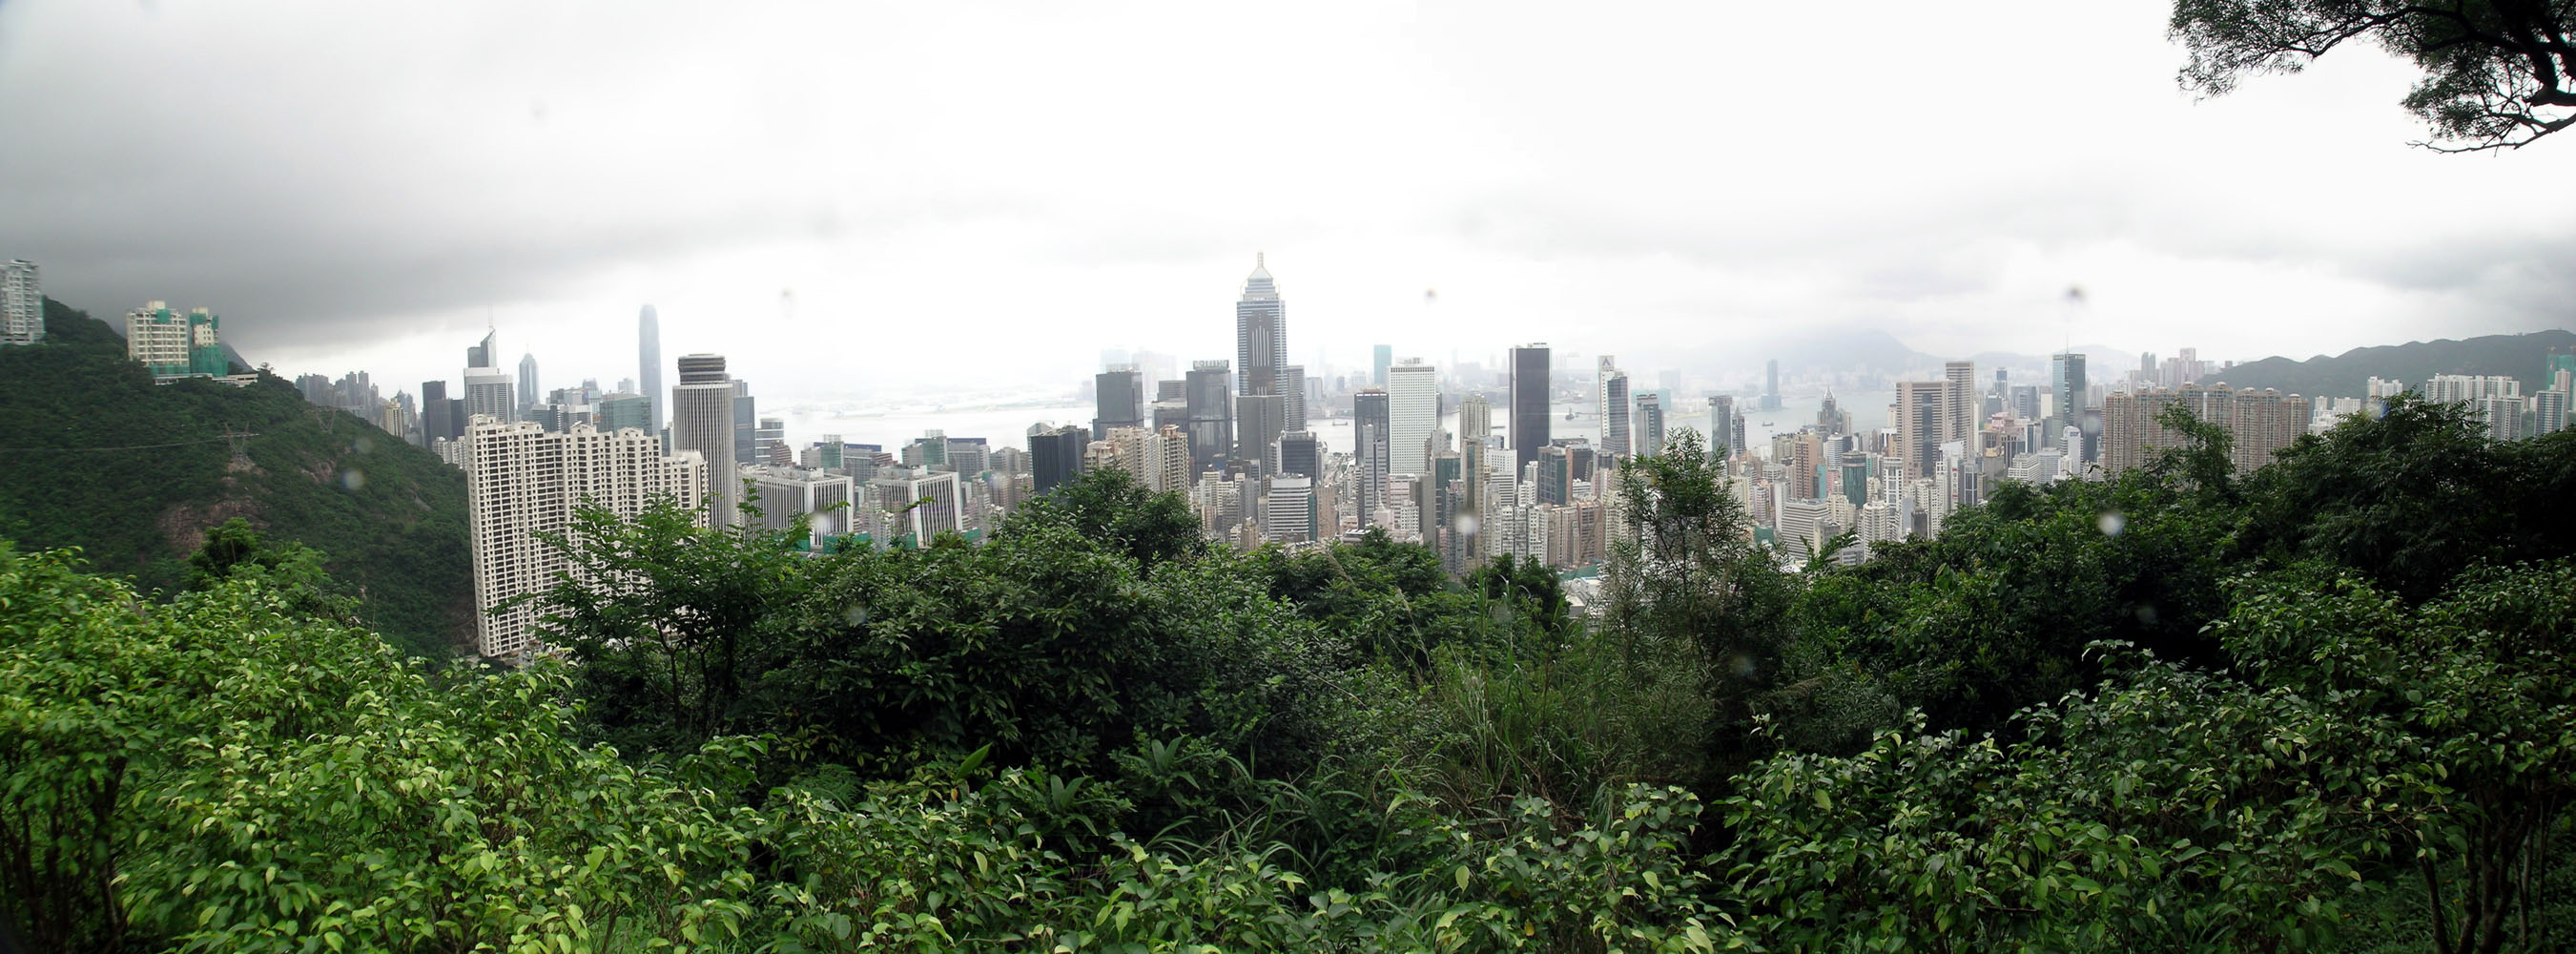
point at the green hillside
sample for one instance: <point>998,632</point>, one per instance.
<point>2346,374</point>
<point>94,455</point>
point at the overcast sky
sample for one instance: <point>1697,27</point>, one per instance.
<point>852,198</point>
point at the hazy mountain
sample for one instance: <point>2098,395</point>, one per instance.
<point>2346,375</point>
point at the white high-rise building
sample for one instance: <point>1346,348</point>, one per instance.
<point>488,393</point>
<point>648,334</point>
<point>917,504</point>
<point>1288,510</point>
<point>1413,412</point>
<point>22,304</point>
<point>702,420</point>
<point>521,481</point>
<point>1611,401</point>
<point>826,500</point>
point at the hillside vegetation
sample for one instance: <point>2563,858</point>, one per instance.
<point>2328,706</point>
<point>134,474</point>
<point>2348,374</point>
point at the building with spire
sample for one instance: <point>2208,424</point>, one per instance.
<point>1260,333</point>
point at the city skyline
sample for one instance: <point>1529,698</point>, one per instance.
<point>1433,183</point>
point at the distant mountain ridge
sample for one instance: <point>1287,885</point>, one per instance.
<point>2522,357</point>
<point>93,454</point>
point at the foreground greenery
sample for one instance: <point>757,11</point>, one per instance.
<point>136,474</point>
<point>2324,707</point>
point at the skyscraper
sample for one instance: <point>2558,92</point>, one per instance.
<point>485,353</point>
<point>1118,400</point>
<point>1055,455</point>
<point>1725,426</point>
<point>702,420</point>
<point>1413,412</point>
<point>22,304</point>
<point>522,481</point>
<point>487,394</point>
<point>649,355</point>
<point>1210,395</point>
<point>527,384</point>
<point>1610,398</point>
<point>1771,385</point>
<point>1650,424</point>
<point>1299,454</point>
<point>2067,387</point>
<point>1528,425</point>
<point>1260,333</point>
<point>1259,419</point>
<point>746,421</point>
<point>1920,418</point>
<point>1961,404</point>
<point>435,415</point>
<point>1370,443</point>
<point>1381,356</point>
<point>1292,391</point>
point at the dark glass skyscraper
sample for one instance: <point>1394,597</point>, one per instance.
<point>1055,455</point>
<point>1118,400</point>
<point>1210,393</point>
<point>1529,423</point>
<point>1369,449</point>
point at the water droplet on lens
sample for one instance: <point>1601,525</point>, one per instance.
<point>2112,523</point>
<point>353,479</point>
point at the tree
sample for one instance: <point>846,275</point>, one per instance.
<point>2497,73</point>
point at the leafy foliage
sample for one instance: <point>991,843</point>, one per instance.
<point>2497,73</point>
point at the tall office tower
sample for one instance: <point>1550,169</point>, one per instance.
<point>487,394</point>
<point>1650,425</point>
<point>1055,455</point>
<point>770,432</point>
<point>1260,333</point>
<point>914,505</point>
<point>1555,475</point>
<point>649,355</point>
<point>1118,400</point>
<point>434,415</point>
<point>617,412</point>
<point>527,384</point>
<point>1529,398</point>
<point>825,500</point>
<point>702,420</point>
<point>1292,388</point>
<point>1288,513</point>
<point>1371,443</point>
<point>22,304</point>
<point>485,353</point>
<point>1210,395</point>
<point>1725,426</point>
<point>1610,400</point>
<point>1171,390</point>
<point>1920,419</point>
<point>968,456</point>
<point>1475,420</point>
<point>1959,421</point>
<point>521,481</point>
<point>172,345</point>
<point>1771,385</point>
<point>1381,357</point>
<point>1259,419</point>
<point>1413,412</point>
<point>746,423</point>
<point>1855,477</point>
<point>2066,389</point>
<point>1300,454</point>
